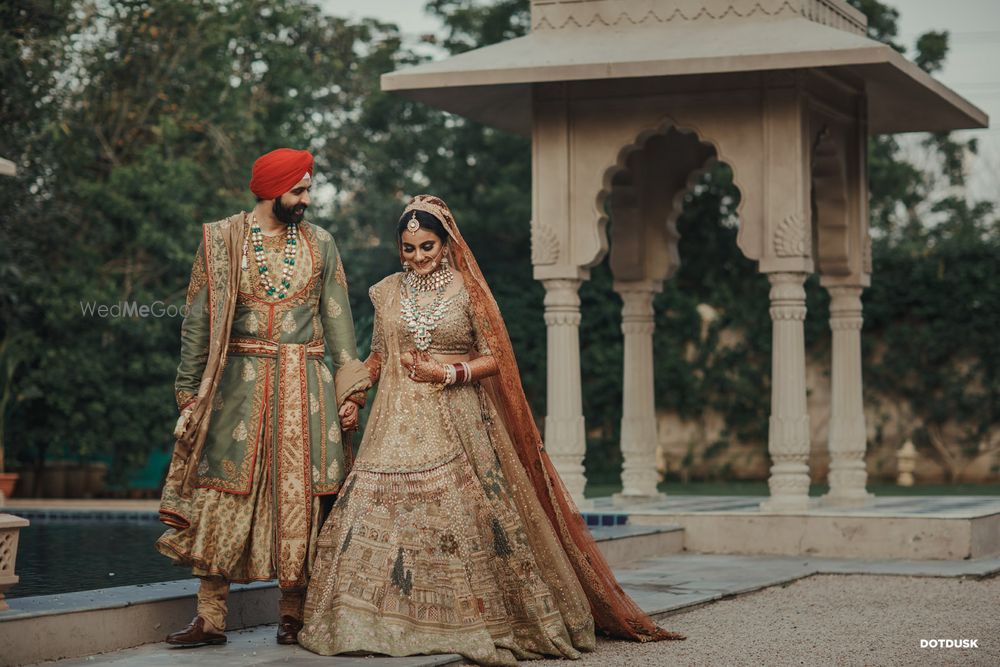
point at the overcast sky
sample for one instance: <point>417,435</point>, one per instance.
<point>972,68</point>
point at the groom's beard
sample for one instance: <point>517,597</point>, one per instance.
<point>289,215</point>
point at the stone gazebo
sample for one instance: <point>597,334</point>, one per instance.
<point>627,102</point>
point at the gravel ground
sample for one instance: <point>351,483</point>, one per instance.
<point>826,620</point>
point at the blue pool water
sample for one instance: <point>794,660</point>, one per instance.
<point>66,555</point>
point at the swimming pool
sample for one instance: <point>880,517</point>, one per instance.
<point>63,555</point>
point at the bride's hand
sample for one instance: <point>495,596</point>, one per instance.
<point>422,367</point>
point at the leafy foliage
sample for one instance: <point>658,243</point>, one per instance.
<point>134,121</point>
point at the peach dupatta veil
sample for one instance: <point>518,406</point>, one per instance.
<point>614,612</point>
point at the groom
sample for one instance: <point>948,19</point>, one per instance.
<point>259,438</point>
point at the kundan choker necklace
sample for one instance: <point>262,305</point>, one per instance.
<point>439,278</point>
<point>291,245</point>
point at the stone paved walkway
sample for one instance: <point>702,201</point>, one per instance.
<point>670,584</point>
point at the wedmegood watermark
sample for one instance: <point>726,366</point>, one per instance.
<point>133,309</point>
<point>949,643</point>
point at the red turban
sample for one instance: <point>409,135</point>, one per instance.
<point>275,173</point>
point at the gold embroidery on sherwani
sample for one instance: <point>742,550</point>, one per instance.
<point>240,432</point>
<point>269,316</point>
<point>249,373</point>
<point>232,534</point>
<point>293,469</point>
<point>183,398</point>
<point>238,480</point>
<point>319,484</point>
<point>333,308</point>
<point>341,276</point>
<point>198,277</point>
<point>252,324</point>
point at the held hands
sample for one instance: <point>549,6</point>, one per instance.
<point>422,367</point>
<point>348,416</point>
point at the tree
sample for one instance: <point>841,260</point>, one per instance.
<point>134,121</point>
<point>144,119</point>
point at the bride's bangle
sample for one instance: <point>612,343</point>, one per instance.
<point>459,373</point>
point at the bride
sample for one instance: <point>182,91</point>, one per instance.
<point>453,532</point>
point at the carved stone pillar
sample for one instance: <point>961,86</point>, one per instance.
<point>848,437</point>
<point>638,427</point>
<point>565,439</point>
<point>788,432</point>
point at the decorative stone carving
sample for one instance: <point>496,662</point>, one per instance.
<point>790,238</point>
<point>544,244</point>
<point>563,14</point>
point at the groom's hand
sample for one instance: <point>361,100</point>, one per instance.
<point>348,416</point>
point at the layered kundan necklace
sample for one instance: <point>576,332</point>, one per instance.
<point>421,321</point>
<point>288,261</point>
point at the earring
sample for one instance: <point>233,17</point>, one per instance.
<point>444,259</point>
<point>407,267</point>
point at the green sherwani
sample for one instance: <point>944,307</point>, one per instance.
<point>274,442</point>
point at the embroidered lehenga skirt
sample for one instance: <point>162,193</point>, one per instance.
<point>434,560</point>
<point>427,549</point>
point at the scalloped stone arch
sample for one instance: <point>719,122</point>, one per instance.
<point>693,177</point>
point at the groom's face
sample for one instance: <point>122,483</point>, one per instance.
<point>291,207</point>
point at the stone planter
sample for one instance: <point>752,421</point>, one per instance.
<point>10,526</point>
<point>8,480</point>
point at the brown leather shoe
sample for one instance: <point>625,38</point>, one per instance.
<point>194,635</point>
<point>288,630</point>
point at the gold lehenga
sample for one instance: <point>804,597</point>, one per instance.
<point>425,550</point>
<point>454,532</point>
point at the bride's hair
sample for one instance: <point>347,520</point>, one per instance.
<point>427,220</point>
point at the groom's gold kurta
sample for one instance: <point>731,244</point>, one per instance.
<point>274,442</point>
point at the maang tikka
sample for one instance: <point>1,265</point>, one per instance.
<point>413,225</point>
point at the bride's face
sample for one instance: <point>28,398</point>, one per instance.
<point>423,250</point>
